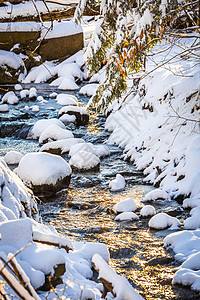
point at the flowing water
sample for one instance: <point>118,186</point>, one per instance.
<point>84,212</point>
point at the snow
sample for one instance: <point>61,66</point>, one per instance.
<point>42,125</point>
<point>186,245</point>
<point>121,286</point>
<point>156,194</point>
<point>193,222</point>
<point>35,108</point>
<point>10,59</point>
<point>65,99</point>
<point>126,216</point>
<point>16,199</point>
<point>117,184</point>
<point>65,145</point>
<point>45,169</point>
<point>60,29</point>
<point>10,98</point>
<point>89,89</point>
<point>66,119</point>
<point>147,210</point>
<point>4,108</point>
<point>69,108</point>
<point>65,83</point>
<point>13,157</point>
<point>192,202</point>
<point>162,221</point>
<point>18,87</point>
<point>54,132</point>
<point>24,93</point>
<point>84,160</point>
<point>126,205</point>
<point>98,150</point>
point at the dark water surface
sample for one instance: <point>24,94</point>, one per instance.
<point>85,210</point>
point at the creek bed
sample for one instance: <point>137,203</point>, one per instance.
<point>84,212</point>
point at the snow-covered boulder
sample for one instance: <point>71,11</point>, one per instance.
<point>67,119</point>
<point>192,202</point>
<point>65,99</point>
<point>41,125</point>
<point>16,200</point>
<point>89,89</point>
<point>65,83</point>
<point>18,87</point>
<point>80,113</point>
<point>126,216</point>
<point>84,161</point>
<point>193,222</point>
<point>117,184</point>
<point>162,221</point>
<point>61,146</point>
<point>44,173</point>
<point>156,194</point>
<point>147,211</point>
<point>13,157</point>
<point>53,133</point>
<point>35,108</point>
<point>126,205</point>
<point>4,108</point>
<point>12,67</point>
<point>98,150</point>
<point>10,98</point>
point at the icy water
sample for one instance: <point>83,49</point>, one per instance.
<point>85,210</point>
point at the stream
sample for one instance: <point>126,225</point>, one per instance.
<point>84,211</point>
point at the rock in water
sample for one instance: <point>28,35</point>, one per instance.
<point>44,173</point>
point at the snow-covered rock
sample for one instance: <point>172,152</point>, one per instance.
<point>89,89</point>
<point>193,222</point>
<point>156,194</point>
<point>117,184</point>
<point>35,108</point>
<point>41,125</point>
<point>147,210</point>
<point>10,98</point>
<point>126,216</point>
<point>66,99</point>
<point>65,83</point>
<point>162,221</point>
<point>61,146</point>
<point>24,94</point>
<point>191,202</point>
<point>13,157</point>
<point>126,205</point>
<point>66,119</point>
<point>4,108</point>
<point>53,133</point>
<point>83,161</point>
<point>80,113</point>
<point>98,150</point>
<point>44,172</point>
<point>18,87</point>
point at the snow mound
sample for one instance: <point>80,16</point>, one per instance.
<point>16,200</point>
<point>84,160</point>
<point>189,278</point>
<point>35,108</point>
<point>98,150</point>
<point>18,87</point>
<point>126,216</point>
<point>147,210</point>
<point>117,184</point>
<point>162,221</point>
<point>65,83</point>
<point>41,125</point>
<point>64,145</point>
<point>4,108</point>
<point>13,157</point>
<point>156,194</point>
<point>10,98</point>
<point>89,89</point>
<point>42,168</point>
<point>65,99</point>
<point>126,205</point>
<point>66,119</point>
<point>75,109</point>
<point>53,133</point>
<point>192,202</point>
<point>195,210</point>
<point>101,150</point>
<point>193,222</point>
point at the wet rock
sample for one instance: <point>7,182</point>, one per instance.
<point>54,280</point>
<point>160,261</point>
<point>82,118</point>
<point>18,130</point>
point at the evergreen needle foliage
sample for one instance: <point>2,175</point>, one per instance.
<point>127,30</point>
